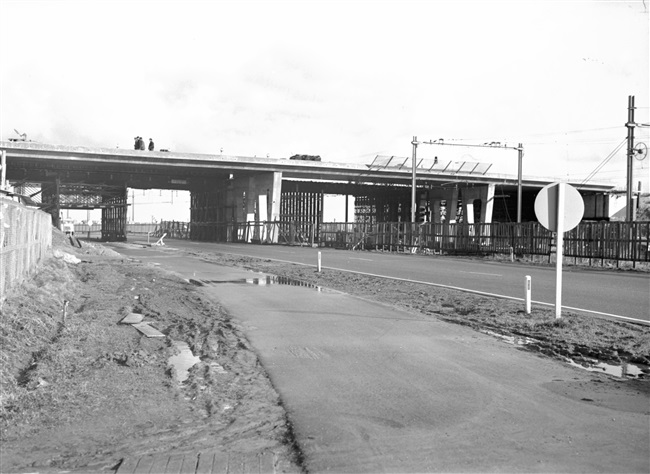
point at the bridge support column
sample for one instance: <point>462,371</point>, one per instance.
<point>256,198</point>
<point>450,196</point>
<point>484,194</point>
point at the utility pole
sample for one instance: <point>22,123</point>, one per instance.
<point>414,178</point>
<point>630,158</point>
<point>520,153</point>
<point>3,170</point>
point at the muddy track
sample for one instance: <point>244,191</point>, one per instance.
<point>87,392</point>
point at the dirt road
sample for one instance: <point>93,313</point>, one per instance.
<point>371,388</point>
<point>85,393</point>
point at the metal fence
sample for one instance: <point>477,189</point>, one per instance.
<point>528,238</point>
<point>25,236</point>
<point>618,241</point>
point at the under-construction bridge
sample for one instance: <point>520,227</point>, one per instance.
<point>227,189</point>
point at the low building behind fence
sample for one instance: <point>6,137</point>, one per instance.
<point>25,237</point>
<point>595,241</point>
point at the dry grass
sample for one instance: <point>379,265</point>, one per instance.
<point>29,320</point>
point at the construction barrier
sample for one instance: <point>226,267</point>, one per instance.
<point>25,237</point>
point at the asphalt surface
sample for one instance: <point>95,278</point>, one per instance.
<point>624,294</point>
<point>372,389</point>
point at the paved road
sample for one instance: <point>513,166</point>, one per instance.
<point>372,389</point>
<point>625,294</point>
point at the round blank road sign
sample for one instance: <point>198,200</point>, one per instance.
<point>546,206</point>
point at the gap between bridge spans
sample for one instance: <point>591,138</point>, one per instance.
<point>466,290</point>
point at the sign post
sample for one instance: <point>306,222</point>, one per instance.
<point>559,208</point>
<point>559,250</point>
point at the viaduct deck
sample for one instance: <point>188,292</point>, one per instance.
<point>29,161</point>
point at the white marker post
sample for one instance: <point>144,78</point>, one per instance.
<point>559,250</point>
<point>528,290</point>
<point>319,261</point>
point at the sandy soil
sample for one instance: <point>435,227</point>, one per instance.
<point>83,392</point>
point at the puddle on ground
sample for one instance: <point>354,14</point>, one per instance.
<point>622,371</point>
<point>625,370</point>
<point>184,361</point>
<point>514,340</point>
<point>267,280</point>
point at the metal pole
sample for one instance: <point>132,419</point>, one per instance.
<point>3,171</point>
<point>413,178</point>
<point>630,157</point>
<point>559,250</point>
<point>57,202</point>
<point>520,152</point>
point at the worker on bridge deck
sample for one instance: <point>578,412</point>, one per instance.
<point>139,143</point>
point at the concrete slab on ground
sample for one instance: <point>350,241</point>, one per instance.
<point>209,462</point>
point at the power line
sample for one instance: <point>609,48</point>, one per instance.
<point>566,132</point>
<point>618,170</point>
<point>604,162</point>
<point>575,142</point>
<point>556,138</point>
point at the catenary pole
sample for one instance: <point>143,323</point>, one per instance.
<point>414,178</point>
<point>3,170</point>
<point>520,153</point>
<point>630,157</point>
<point>519,148</point>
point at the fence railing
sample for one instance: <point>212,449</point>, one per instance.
<point>530,238</point>
<point>617,241</point>
<point>95,230</point>
<point>25,236</point>
<point>300,233</point>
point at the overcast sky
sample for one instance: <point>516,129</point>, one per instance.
<point>346,80</point>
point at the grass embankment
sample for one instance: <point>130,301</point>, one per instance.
<point>577,336</point>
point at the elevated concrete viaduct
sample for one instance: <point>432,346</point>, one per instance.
<point>236,189</point>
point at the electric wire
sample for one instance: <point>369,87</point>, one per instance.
<point>586,130</point>
<point>604,162</point>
